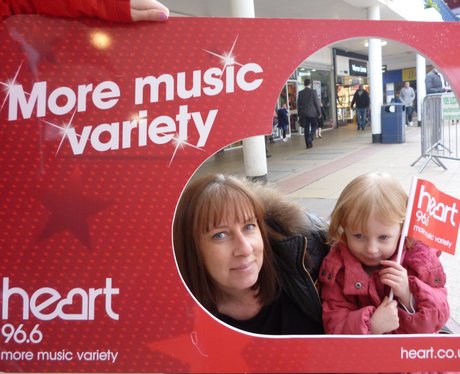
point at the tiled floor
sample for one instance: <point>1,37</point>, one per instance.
<point>315,177</point>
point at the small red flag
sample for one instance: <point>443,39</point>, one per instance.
<point>434,217</point>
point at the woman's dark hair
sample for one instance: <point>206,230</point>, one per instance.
<point>202,206</point>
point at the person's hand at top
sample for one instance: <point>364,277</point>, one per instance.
<point>109,10</point>
<point>148,10</point>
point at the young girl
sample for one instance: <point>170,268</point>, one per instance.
<point>360,270</point>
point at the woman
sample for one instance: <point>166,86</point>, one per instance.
<point>249,256</point>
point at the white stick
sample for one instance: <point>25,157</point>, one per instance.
<point>405,228</point>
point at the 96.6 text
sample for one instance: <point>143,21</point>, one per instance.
<point>19,335</point>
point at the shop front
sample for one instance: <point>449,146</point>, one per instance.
<point>321,82</point>
<point>351,70</point>
<point>393,81</point>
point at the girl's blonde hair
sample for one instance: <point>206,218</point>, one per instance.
<point>369,194</point>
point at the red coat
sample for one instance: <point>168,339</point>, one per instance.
<point>350,295</point>
<point>110,10</point>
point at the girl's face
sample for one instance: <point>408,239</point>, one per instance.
<point>233,254</point>
<point>378,243</point>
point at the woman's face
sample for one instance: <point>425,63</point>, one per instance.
<point>378,243</point>
<point>233,254</point>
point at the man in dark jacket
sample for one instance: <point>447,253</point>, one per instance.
<point>362,101</point>
<point>309,110</point>
<point>434,83</point>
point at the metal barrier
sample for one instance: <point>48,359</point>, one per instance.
<point>440,130</point>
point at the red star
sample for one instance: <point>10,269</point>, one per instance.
<point>70,211</point>
<point>210,347</point>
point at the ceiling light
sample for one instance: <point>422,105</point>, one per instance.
<point>382,43</point>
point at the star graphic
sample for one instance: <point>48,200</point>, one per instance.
<point>70,211</point>
<point>181,143</point>
<point>7,86</point>
<point>227,58</point>
<point>210,347</point>
<point>64,130</point>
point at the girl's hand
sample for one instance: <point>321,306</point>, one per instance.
<point>148,10</point>
<point>395,276</point>
<point>385,317</point>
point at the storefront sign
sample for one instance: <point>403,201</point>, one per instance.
<point>409,74</point>
<point>101,127</point>
<point>358,68</point>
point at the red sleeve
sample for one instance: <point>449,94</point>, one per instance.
<point>427,281</point>
<point>110,10</point>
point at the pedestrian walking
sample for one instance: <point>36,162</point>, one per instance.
<point>309,109</point>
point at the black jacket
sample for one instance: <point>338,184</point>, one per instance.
<point>361,99</point>
<point>308,103</point>
<point>299,255</point>
<point>299,259</point>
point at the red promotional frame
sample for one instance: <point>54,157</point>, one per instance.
<point>94,154</point>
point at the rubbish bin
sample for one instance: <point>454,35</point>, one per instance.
<point>393,123</point>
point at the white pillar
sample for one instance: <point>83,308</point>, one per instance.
<point>255,160</point>
<point>375,78</point>
<point>242,8</point>
<point>421,90</point>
